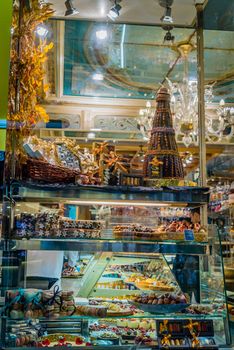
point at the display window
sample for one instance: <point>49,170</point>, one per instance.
<point>119,122</point>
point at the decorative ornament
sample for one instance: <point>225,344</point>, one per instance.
<point>108,159</point>
<point>194,333</point>
<point>163,327</point>
<point>166,340</point>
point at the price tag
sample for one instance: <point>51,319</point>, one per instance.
<point>188,235</point>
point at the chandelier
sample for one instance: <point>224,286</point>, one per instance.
<point>184,107</point>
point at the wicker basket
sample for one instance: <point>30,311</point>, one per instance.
<point>42,171</point>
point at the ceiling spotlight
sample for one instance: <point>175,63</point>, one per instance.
<point>101,34</point>
<point>168,38</point>
<point>42,31</point>
<point>115,10</point>
<point>165,3</point>
<point>71,10</point>
<point>167,18</point>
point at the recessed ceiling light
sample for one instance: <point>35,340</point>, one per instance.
<point>101,34</point>
<point>71,10</point>
<point>98,76</point>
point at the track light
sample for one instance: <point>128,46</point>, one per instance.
<point>167,18</point>
<point>165,3</point>
<point>115,10</point>
<point>71,10</point>
<point>169,38</point>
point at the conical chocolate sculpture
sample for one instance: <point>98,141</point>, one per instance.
<point>162,159</point>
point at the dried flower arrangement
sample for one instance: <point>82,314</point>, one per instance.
<point>26,80</point>
<point>27,72</point>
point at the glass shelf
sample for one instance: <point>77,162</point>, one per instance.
<point>162,196</point>
<point>103,245</point>
<point>170,316</point>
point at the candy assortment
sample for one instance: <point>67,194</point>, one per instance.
<point>80,228</point>
<point>46,224</point>
<point>51,225</point>
<point>37,148</point>
<point>58,161</point>
<point>25,225</point>
<point>67,158</point>
<point>169,231</point>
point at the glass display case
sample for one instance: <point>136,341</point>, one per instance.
<point>102,246</point>
<point>145,275</point>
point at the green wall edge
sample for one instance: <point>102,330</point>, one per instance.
<point>5,20</point>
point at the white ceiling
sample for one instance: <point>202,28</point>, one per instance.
<point>133,11</point>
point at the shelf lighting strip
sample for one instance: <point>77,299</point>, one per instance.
<point>123,203</point>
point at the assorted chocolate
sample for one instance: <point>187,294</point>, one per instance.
<point>51,225</point>
<point>168,231</point>
<point>80,228</point>
<point>67,158</point>
<point>101,165</point>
